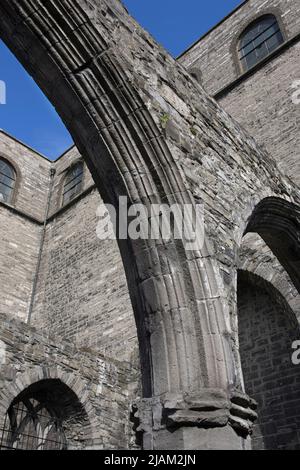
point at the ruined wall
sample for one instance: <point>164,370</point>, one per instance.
<point>267,329</point>
<point>104,388</point>
<point>261,101</point>
<point>20,226</point>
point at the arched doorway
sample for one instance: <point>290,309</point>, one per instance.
<point>268,327</point>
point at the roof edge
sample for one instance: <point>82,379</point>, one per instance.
<point>39,154</point>
<point>212,29</point>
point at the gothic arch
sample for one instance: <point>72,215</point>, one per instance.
<point>256,257</point>
<point>277,221</point>
<point>76,64</point>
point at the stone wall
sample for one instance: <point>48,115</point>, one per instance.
<point>33,176</point>
<point>267,329</point>
<point>263,104</point>
<point>82,308</point>
<point>256,257</point>
<point>82,292</point>
<point>261,101</point>
<point>105,389</point>
<point>20,225</point>
<point>215,54</point>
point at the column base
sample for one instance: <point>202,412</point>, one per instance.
<point>208,420</point>
<point>192,438</point>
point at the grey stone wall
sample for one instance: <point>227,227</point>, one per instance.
<point>215,54</point>
<point>33,176</point>
<point>262,100</point>
<point>263,104</point>
<point>256,257</point>
<point>267,329</point>
<point>105,389</point>
<point>82,302</point>
<point>20,228</point>
<point>18,259</point>
<point>82,292</point>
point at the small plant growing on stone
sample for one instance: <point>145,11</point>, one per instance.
<point>164,120</point>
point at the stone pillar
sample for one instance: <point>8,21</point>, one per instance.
<point>208,420</point>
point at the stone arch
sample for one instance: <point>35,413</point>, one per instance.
<point>257,258</point>
<point>61,390</point>
<point>277,221</point>
<point>74,59</point>
<point>267,330</point>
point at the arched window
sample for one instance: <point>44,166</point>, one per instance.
<point>7,181</point>
<point>261,38</point>
<point>73,183</point>
<point>46,416</point>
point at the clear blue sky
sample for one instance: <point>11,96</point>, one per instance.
<point>29,116</point>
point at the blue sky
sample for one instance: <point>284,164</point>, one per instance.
<point>28,115</point>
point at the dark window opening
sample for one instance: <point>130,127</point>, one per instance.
<point>45,416</point>
<point>7,181</point>
<point>73,183</point>
<point>259,40</point>
<point>29,425</point>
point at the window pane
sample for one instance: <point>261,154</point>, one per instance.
<point>275,41</point>
<point>266,22</point>
<point>251,59</point>
<point>7,169</point>
<point>262,51</point>
<point>72,193</point>
<point>7,181</point>
<point>259,40</point>
<point>5,193</point>
<point>73,183</point>
<point>246,50</point>
<point>249,36</point>
<point>74,172</point>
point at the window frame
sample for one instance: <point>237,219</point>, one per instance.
<point>12,197</point>
<point>236,45</point>
<point>65,183</point>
